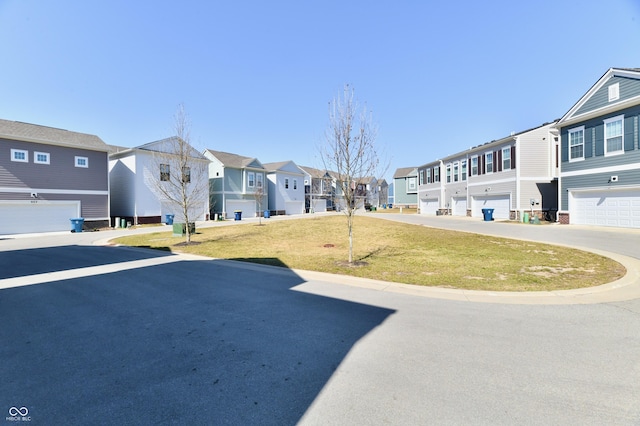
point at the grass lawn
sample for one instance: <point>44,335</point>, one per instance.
<point>397,252</point>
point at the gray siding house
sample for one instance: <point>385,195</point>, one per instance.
<point>234,181</point>
<point>48,176</point>
<point>318,190</point>
<point>512,175</point>
<point>405,185</point>
<point>600,161</point>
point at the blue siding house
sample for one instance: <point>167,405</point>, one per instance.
<point>405,186</point>
<point>600,156</point>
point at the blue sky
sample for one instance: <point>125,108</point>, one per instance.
<point>256,77</point>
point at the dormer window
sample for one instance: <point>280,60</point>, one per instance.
<point>614,92</point>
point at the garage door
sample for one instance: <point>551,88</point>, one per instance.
<point>459,206</point>
<point>429,206</point>
<point>605,208</point>
<point>294,207</point>
<point>499,203</point>
<point>319,205</point>
<point>27,217</point>
<point>248,208</point>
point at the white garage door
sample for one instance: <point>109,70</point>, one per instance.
<point>294,207</point>
<point>499,203</point>
<point>605,208</point>
<point>429,206</point>
<point>319,205</point>
<point>248,208</point>
<point>27,217</point>
<point>459,206</point>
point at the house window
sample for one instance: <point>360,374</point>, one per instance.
<point>456,172</point>
<point>411,184</point>
<point>286,184</point>
<point>41,157</point>
<point>186,174</point>
<point>20,155</point>
<point>613,131</point>
<point>448,173</point>
<point>428,175</point>
<point>474,166</point>
<point>614,92</point>
<point>436,174</point>
<point>506,158</point>
<point>295,184</point>
<point>489,162</point>
<point>165,172</point>
<point>421,178</point>
<point>463,174</point>
<point>576,144</point>
<point>259,180</point>
<point>251,179</point>
<point>82,162</point>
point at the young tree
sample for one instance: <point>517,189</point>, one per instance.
<point>183,179</point>
<point>350,152</point>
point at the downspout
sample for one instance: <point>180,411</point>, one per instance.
<point>518,182</point>
<point>224,193</point>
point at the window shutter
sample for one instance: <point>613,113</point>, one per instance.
<point>483,165</point>
<point>513,157</point>
<point>588,143</point>
<point>599,142</point>
<point>564,146</point>
<point>629,133</point>
<point>499,157</point>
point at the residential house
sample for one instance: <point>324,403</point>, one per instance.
<point>405,186</point>
<point>600,161</point>
<point>48,176</point>
<point>318,190</point>
<point>237,183</point>
<point>512,175</point>
<point>138,175</point>
<point>286,188</point>
<point>383,193</point>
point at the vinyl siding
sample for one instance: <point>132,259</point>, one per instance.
<point>594,142</point>
<point>629,88</point>
<point>60,173</point>
<point>597,180</point>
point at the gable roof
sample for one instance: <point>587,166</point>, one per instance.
<point>283,166</point>
<point>590,105</point>
<point>314,173</point>
<point>18,130</point>
<point>405,172</point>
<point>234,160</point>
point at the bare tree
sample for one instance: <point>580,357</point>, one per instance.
<point>350,152</point>
<point>182,181</point>
<point>258,194</point>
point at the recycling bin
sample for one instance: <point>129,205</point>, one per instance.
<point>267,214</point>
<point>238,214</point>
<point>169,219</point>
<point>488,214</point>
<point>76,224</point>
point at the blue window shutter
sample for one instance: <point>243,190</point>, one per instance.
<point>629,133</point>
<point>588,143</point>
<point>564,146</point>
<point>599,140</point>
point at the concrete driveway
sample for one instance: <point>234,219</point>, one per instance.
<point>112,335</point>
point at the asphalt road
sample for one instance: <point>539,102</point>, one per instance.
<point>112,335</point>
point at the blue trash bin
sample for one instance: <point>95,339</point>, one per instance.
<point>76,224</point>
<point>238,214</point>
<point>169,219</point>
<point>488,214</point>
<point>267,214</point>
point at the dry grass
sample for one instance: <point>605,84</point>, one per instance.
<point>399,252</point>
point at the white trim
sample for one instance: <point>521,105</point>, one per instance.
<point>614,92</point>
<point>35,157</point>
<point>20,151</point>
<point>80,157</point>
<point>14,190</point>
<point>493,163</point>
<point>569,132</point>
<point>618,168</point>
<point>611,120</point>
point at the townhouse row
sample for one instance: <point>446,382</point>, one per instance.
<point>581,169</point>
<point>49,176</point>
